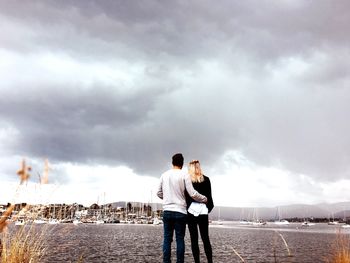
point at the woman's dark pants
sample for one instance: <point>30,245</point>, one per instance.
<point>201,222</point>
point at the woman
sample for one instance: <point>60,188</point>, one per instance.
<point>198,213</point>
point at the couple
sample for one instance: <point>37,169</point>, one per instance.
<point>181,190</point>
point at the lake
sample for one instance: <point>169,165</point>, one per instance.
<point>143,243</point>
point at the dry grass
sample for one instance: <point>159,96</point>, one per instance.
<point>26,243</point>
<point>23,244</point>
<point>340,249</point>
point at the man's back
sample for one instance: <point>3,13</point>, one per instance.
<point>173,188</point>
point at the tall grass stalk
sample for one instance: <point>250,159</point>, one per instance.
<point>3,218</point>
<point>23,244</point>
<point>238,255</point>
<point>286,245</point>
<point>340,249</point>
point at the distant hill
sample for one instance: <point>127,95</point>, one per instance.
<point>323,210</point>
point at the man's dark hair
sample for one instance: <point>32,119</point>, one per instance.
<point>178,160</point>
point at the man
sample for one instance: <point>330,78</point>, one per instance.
<point>173,184</point>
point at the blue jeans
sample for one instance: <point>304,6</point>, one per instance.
<point>174,221</point>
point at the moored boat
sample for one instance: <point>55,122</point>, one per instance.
<point>282,222</point>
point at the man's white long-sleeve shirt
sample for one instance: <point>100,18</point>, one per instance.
<point>172,186</point>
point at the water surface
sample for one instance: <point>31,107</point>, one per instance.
<point>142,243</point>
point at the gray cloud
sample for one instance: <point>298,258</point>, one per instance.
<point>177,28</point>
<point>269,80</point>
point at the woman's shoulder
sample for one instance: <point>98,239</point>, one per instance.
<point>206,178</point>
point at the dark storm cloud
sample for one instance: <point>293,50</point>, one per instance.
<point>298,123</point>
<point>76,124</point>
<point>178,28</point>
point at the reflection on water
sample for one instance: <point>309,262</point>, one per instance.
<point>142,243</point>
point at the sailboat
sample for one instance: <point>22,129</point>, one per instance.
<point>53,220</point>
<point>242,220</point>
<point>280,221</point>
<point>256,220</point>
<point>219,221</point>
<point>102,209</point>
<point>332,222</point>
<point>307,224</point>
<point>19,222</point>
<point>99,220</point>
<point>156,221</point>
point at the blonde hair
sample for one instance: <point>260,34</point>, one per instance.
<point>195,171</point>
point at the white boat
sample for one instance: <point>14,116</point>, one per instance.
<point>333,223</point>
<point>39,221</point>
<point>216,222</point>
<point>282,222</point>
<point>256,220</point>
<point>219,222</point>
<point>307,224</point>
<point>345,226</point>
<point>245,222</point>
<point>19,222</point>
<point>53,221</point>
<point>156,221</point>
<point>99,222</point>
<point>77,222</point>
<point>259,223</point>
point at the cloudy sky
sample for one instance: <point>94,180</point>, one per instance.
<point>108,91</point>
